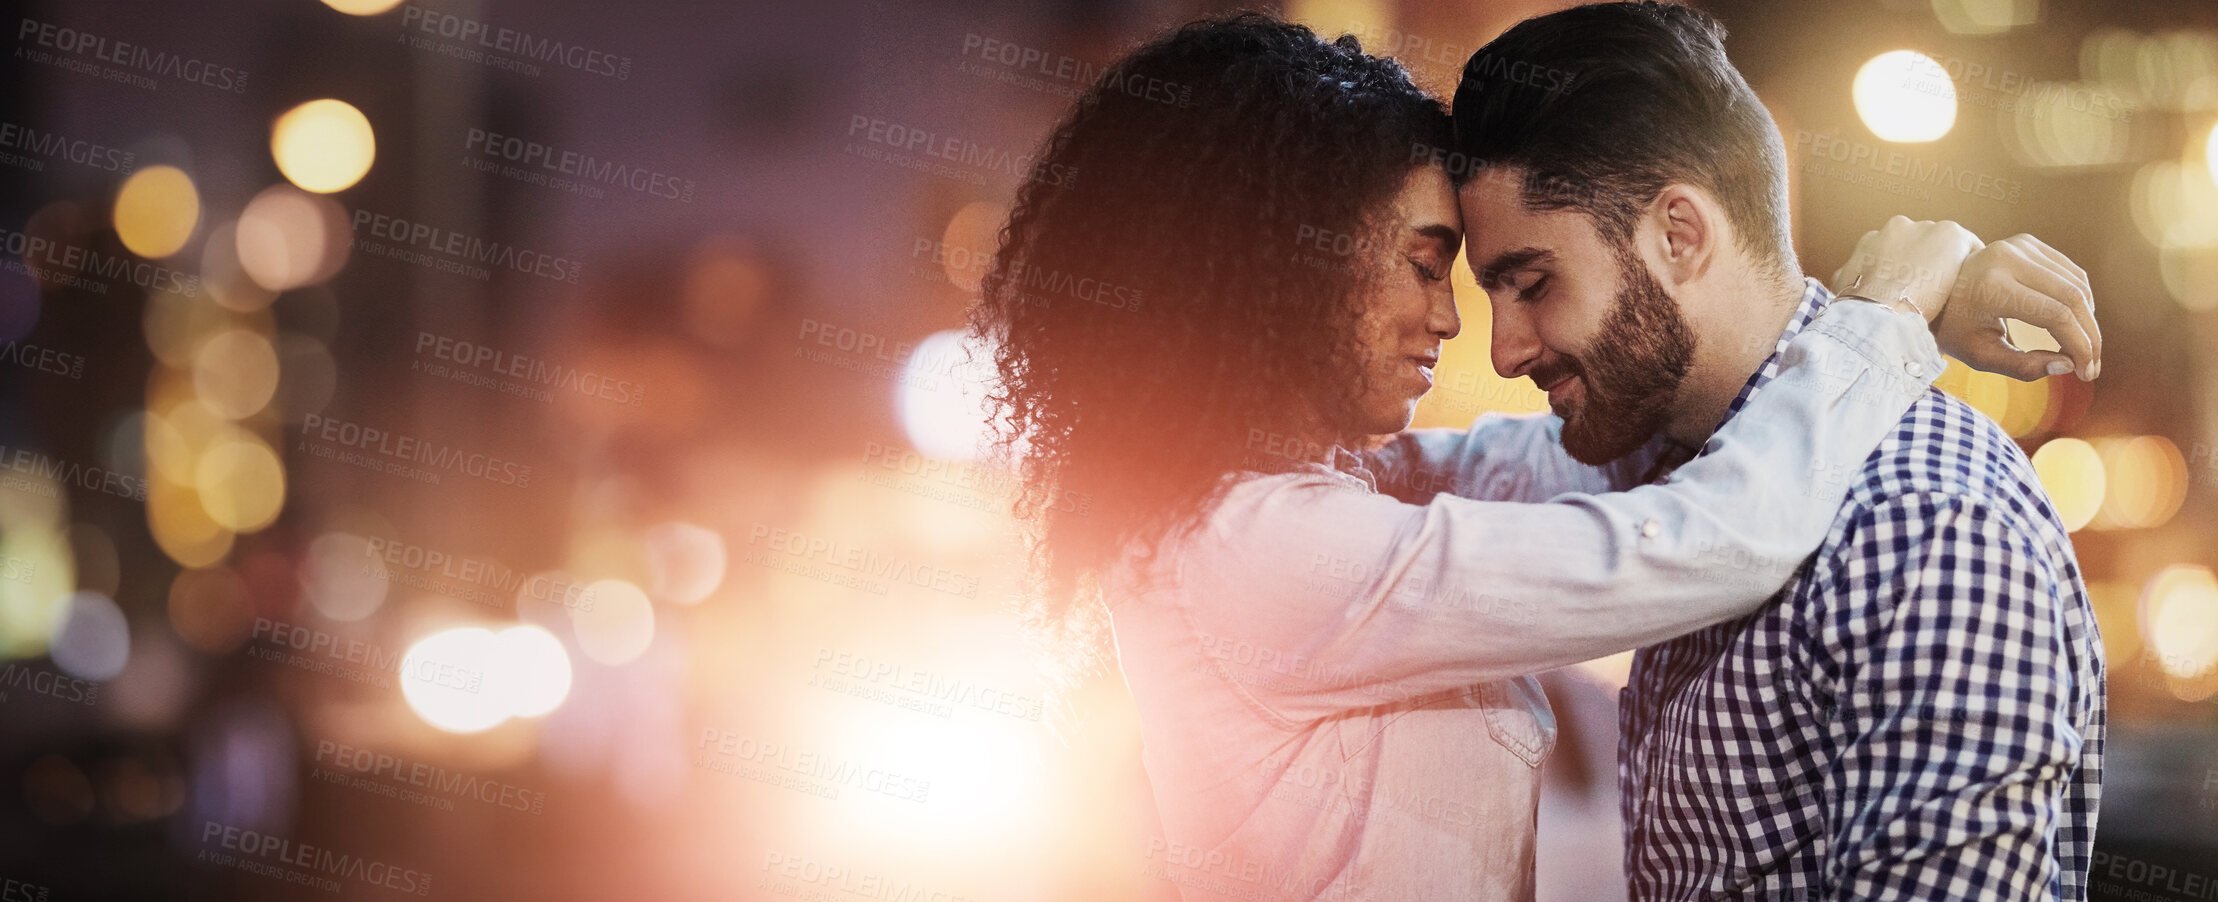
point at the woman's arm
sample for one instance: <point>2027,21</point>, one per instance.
<point>1337,598</point>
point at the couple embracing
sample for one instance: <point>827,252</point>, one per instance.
<point>1867,667</point>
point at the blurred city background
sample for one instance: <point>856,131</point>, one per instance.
<point>520,450</point>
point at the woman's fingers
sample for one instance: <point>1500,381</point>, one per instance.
<point>1991,352</point>
<point>1981,340</point>
<point>2042,292</point>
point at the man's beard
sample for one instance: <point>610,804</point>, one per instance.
<point>1631,371</point>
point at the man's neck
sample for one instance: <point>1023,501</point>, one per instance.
<point>1734,336</point>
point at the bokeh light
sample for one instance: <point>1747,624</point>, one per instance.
<point>444,678</point>
<point>235,373</point>
<point>208,608</point>
<point>361,7</point>
<point>1905,97</point>
<point>725,291</point>
<point>287,238</point>
<point>943,395</point>
<point>1985,16</point>
<point>531,671</point>
<point>967,246</point>
<point>2147,481</point>
<point>616,623</point>
<point>685,562</point>
<point>2190,276</point>
<point>35,562</point>
<point>2210,153</point>
<point>341,578</point>
<point>156,211</point>
<point>241,483</point>
<point>323,145</point>
<point>2179,619</point>
<point>2072,472</point>
<point>2175,205</point>
<point>94,639</point>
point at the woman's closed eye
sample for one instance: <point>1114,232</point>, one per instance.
<point>1429,272</point>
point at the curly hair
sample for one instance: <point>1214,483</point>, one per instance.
<point>1151,311</point>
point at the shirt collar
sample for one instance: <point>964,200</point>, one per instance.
<point>1814,299</point>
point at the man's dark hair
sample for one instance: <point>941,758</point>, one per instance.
<point>1602,106</point>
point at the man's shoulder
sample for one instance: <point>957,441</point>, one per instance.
<point>1945,454</point>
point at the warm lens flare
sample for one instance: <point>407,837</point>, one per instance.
<point>323,145</point>
<point>530,670</point>
<point>1904,96</point>
<point>471,679</point>
<point>943,395</point>
<point>443,677</point>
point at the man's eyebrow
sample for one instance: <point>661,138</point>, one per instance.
<point>1497,270</point>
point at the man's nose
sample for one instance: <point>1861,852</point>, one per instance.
<point>1516,345</point>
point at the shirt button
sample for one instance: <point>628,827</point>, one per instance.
<point>1649,529</point>
<point>1915,369</point>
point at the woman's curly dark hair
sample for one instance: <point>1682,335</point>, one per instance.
<point>1157,301</point>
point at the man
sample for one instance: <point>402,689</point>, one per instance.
<point>1919,715</point>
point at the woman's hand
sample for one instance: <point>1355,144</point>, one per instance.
<point>1907,264</point>
<point>2024,279</point>
<point>1910,265</point>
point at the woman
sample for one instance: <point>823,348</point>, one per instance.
<point>1328,679</point>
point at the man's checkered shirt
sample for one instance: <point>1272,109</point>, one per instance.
<point>1919,715</point>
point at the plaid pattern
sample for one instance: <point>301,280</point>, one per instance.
<point>1919,715</point>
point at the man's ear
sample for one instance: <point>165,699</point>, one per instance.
<point>1685,233</point>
